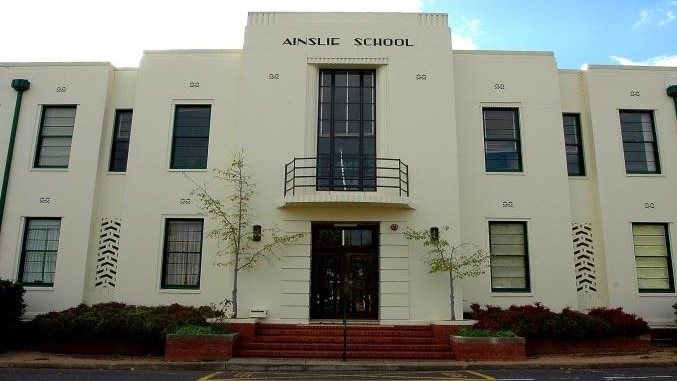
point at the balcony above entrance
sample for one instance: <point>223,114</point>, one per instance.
<point>347,179</point>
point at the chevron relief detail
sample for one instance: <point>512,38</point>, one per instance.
<point>107,254</point>
<point>584,258</point>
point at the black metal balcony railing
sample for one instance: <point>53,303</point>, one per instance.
<point>346,173</point>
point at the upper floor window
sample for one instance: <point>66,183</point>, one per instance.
<point>652,257</point>
<point>573,141</point>
<point>55,138</point>
<point>38,253</point>
<point>120,146</point>
<point>502,146</point>
<point>190,142</point>
<point>639,142</point>
<point>509,256</point>
<point>346,132</point>
<point>182,253</point>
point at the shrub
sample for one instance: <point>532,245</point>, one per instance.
<point>480,332</point>
<point>13,307</point>
<point>622,323</point>
<point>538,322</point>
<point>575,325</point>
<point>530,321</point>
<point>202,330</point>
<point>118,321</point>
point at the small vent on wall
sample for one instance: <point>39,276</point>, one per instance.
<point>584,258</point>
<point>107,254</point>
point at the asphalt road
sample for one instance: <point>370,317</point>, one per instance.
<point>629,374</point>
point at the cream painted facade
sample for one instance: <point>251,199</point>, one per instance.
<point>429,110</point>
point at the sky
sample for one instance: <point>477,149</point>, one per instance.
<point>579,32</point>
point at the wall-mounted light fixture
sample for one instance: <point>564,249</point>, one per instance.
<point>256,233</point>
<point>434,234</point>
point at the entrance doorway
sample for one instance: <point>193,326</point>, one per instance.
<point>344,272</point>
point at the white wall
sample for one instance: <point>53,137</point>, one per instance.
<point>622,196</point>
<point>69,192</point>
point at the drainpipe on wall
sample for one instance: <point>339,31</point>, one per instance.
<point>672,92</point>
<point>20,85</point>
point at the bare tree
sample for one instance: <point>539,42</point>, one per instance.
<point>232,214</point>
<point>465,260</point>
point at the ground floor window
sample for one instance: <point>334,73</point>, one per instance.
<point>182,253</point>
<point>652,257</point>
<point>509,256</point>
<point>38,254</point>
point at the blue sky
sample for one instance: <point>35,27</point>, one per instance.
<point>578,31</point>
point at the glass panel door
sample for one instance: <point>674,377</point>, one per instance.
<point>344,272</point>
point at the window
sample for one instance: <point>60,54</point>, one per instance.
<point>56,135</point>
<point>509,257</point>
<point>191,137</point>
<point>38,253</point>
<point>573,141</point>
<point>120,147</point>
<point>182,253</point>
<point>502,148</point>
<point>652,257</point>
<point>639,142</point>
<point>346,135</point>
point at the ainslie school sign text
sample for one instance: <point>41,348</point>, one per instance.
<point>357,41</point>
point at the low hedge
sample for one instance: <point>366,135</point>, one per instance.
<point>535,321</point>
<point>117,321</point>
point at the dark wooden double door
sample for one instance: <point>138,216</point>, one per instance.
<point>344,272</point>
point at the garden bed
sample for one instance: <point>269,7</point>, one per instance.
<point>101,347</point>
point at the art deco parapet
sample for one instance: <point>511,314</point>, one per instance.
<point>345,179</point>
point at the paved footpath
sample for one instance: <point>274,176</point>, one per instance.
<point>658,357</point>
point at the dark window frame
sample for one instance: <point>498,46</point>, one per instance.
<point>119,150</point>
<point>516,139</point>
<point>628,138</point>
<point>164,283</point>
<point>525,260</point>
<point>356,122</point>
<point>25,251</point>
<point>573,140</point>
<point>42,137</point>
<point>185,134</point>
<point>668,258</point>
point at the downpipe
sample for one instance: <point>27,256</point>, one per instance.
<point>20,85</point>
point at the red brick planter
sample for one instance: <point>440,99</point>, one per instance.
<point>216,347</point>
<point>614,345</point>
<point>488,348</point>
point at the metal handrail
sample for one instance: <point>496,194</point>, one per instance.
<point>346,173</point>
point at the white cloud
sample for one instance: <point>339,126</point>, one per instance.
<point>669,17</point>
<point>90,30</point>
<point>462,42</point>
<point>663,60</point>
<point>462,34</point>
<point>644,18</point>
<point>661,13</point>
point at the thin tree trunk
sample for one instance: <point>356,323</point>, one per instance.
<point>235,289</point>
<point>451,296</point>
<point>238,241</point>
